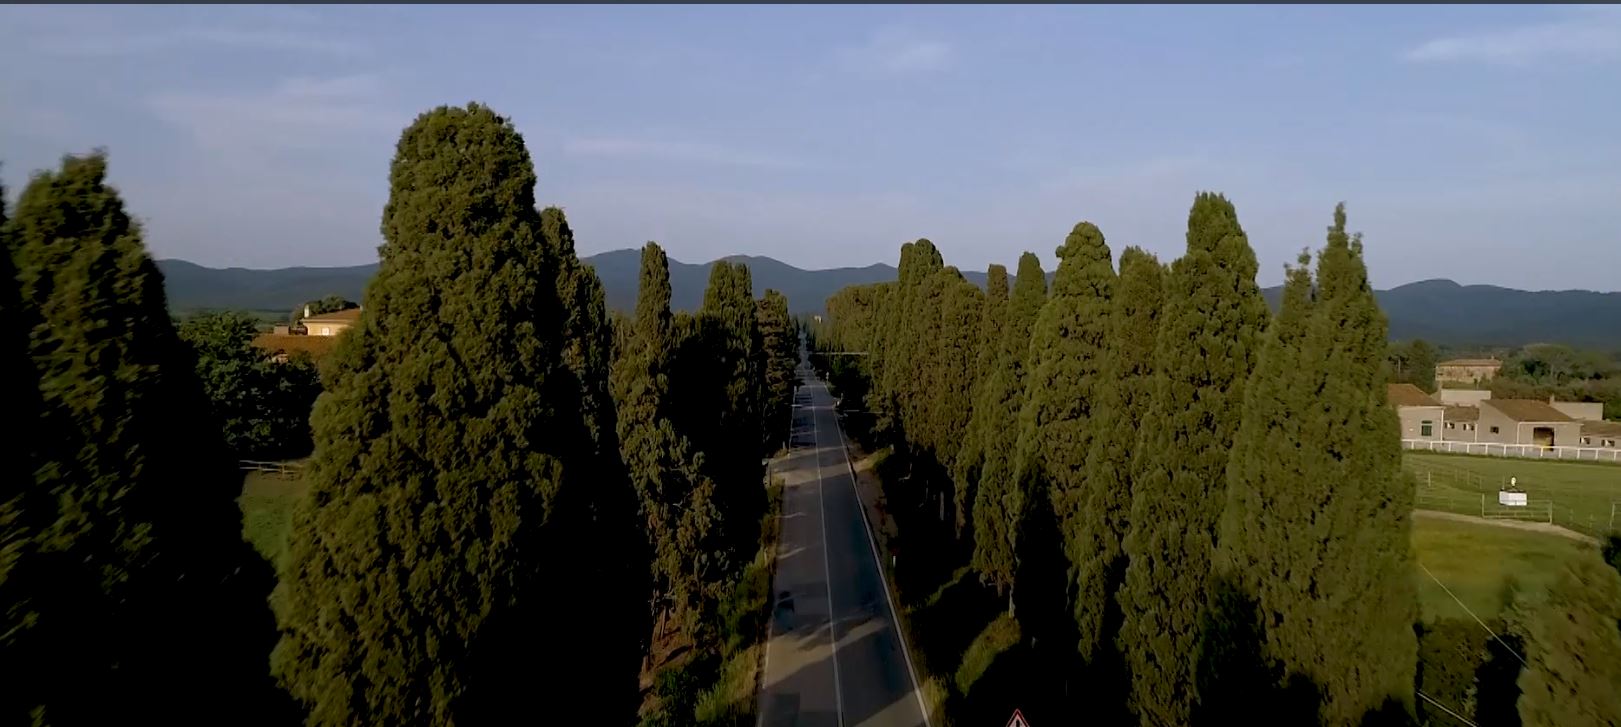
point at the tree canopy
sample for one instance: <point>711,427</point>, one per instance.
<point>1206,348</point>
<point>458,456</point>
<point>123,560</point>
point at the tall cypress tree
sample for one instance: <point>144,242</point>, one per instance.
<point>124,554</point>
<point>676,500</point>
<point>1363,596</point>
<point>456,488</point>
<point>1574,649</point>
<point>996,415</point>
<point>619,550</point>
<point>27,665</point>
<point>730,364</point>
<point>1055,431</point>
<point>1271,527</point>
<point>907,318</point>
<point>1205,349</point>
<point>971,456</point>
<point>780,342</point>
<point>1123,395</point>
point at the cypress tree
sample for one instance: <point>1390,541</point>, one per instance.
<point>1356,638</point>
<point>965,470</point>
<point>731,361</point>
<point>1271,527</point>
<point>906,322</point>
<point>1123,393</point>
<point>1206,347</point>
<point>451,532</point>
<point>947,385</point>
<point>618,566</point>
<point>27,665</point>
<point>123,558</point>
<point>1574,650</point>
<point>1055,430</point>
<point>780,341</point>
<point>676,500</point>
<point>996,416</point>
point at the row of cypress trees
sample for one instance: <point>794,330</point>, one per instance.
<point>498,492</point>
<point>1174,489</point>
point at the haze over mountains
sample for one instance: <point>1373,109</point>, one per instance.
<point>1440,311</point>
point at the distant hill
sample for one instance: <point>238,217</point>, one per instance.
<point>1440,311</point>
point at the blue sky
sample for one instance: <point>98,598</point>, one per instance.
<point>1480,144</point>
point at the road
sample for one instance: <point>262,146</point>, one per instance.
<point>835,656</point>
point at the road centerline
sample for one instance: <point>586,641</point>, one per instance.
<point>827,571</point>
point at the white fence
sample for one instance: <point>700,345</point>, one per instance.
<point>1531,451</point>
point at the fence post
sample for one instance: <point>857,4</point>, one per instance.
<point>1483,505</point>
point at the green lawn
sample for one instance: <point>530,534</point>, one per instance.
<point>267,511</point>
<point>1474,561</point>
<point>1581,493</point>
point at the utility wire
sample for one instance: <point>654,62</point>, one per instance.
<point>1443,708</point>
<point>1472,615</point>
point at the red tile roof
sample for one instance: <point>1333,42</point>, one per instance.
<point>1409,395</point>
<point>1527,410</point>
<point>316,346</point>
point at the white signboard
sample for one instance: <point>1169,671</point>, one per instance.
<point>1511,499</point>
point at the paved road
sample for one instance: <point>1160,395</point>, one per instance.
<point>849,669</point>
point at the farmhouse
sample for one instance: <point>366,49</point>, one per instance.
<point>1467,370</point>
<point>1526,421</point>
<point>331,324</point>
<point>1422,417</point>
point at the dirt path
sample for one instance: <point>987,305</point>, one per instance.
<point>1513,524</point>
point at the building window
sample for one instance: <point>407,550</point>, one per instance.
<point>1609,442</point>
<point>1494,430</point>
<point>1587,440</point>
<point>1426,429</point>
<point>1452,425</point>
<point>1469,427</point>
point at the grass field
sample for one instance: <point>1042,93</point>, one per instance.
<point>267,511</point>
<point>1475,561</point>
<point>1580,494</point>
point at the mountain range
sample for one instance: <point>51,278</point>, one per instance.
<point>1440,311</point>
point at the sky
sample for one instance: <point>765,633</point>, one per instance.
<point>1480,144</point>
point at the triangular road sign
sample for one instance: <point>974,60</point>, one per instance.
<point>1018,720</point>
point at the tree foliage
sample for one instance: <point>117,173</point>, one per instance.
<point>462,491</point>
<point>971,453</point>
<point>1055,429</point>
<point>1122,396</point>
<point>676,499</point>
<point>780,343</point>
<point>995,427</point>
<point>1574,650</point>
<point>1316,527</point>
<point>1205,349</point>
<point>261,407</point>
<point>123,570</point>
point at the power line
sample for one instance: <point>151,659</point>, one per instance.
<point>1476,618</point>
<point>1443,708</point>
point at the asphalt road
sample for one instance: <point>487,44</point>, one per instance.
<point>834,657</point>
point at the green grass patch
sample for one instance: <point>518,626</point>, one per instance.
<point>1478,561</point>
<point>267,504</point>
<point>999,636</point>
<point>1581,493</point>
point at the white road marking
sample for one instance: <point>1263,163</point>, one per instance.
<point>827,572</point>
